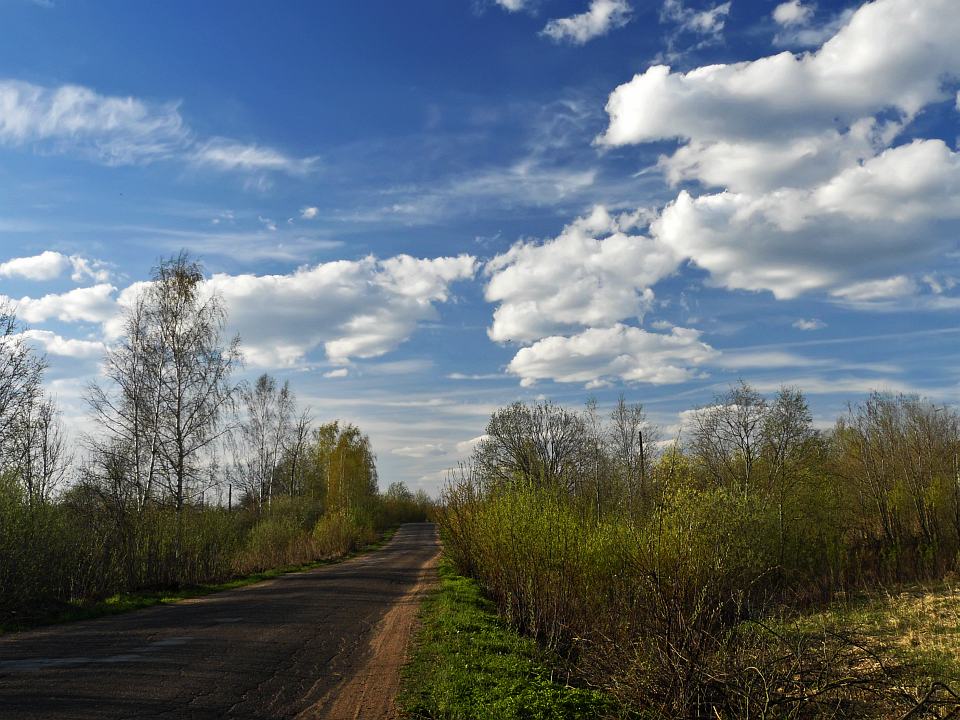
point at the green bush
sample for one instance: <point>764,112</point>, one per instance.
<point>340,532</point>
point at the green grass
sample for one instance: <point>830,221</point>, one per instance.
<point>56,613</point>
<point>467,664</point>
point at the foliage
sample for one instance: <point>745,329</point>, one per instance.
<point>664,591</point>
<point>151,507</point>
<point>468,665</point>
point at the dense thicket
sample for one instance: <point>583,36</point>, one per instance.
<point>191,476</point>
<point>661,568</point>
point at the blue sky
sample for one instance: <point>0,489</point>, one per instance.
<point>420,211</point>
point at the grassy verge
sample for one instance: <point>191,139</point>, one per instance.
<point>127,602</point>
<point>466,664</point>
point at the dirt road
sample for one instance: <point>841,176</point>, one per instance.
<point>321,644</point>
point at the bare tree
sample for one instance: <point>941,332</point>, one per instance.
<point>294,460</point>
<point>128,408</point>
<point>43,457</point>
<point>21,375</point>
<point>262,435</point>
<point>789,442</point>
<point>727,437</point>
<point>170,388</point>
<point>633,445</point>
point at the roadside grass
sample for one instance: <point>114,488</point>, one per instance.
<point>466,664</point>
<point>918,625</point>
<point>56,613</point>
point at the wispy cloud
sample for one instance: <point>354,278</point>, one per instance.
<point>226,154</point>
<point>600,18</point>
<point>123,130</point>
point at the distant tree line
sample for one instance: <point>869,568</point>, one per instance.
<point>191,476</point>
<point>668,569</point>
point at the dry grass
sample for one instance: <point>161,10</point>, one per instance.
<point>919,624</point>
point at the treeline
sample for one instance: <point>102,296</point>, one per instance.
<point>191,476</point>
<point>669,571</point>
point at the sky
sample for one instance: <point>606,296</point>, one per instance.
<point>417,212</point>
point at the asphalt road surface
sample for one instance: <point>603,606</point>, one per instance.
<point>325,643</point>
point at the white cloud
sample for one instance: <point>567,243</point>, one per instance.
<point>701,22</point>
<point>793,12</point>
<point>593,274</point>
<point>843,385</point>
<point>337,373</point>
<point>695,28</point>
<point>115,130</point>
<point>54,344</point>
<point>807,325</point>
<point>87,269</point>
<point>874,290</point>
<point>93,304</point>
<point>309,213</point>
<point>512,5</point>
<point>813,195</point>
<point>805,33</point>
<point>893,53</point>
<point>466,446</point>
<point>866,223</point>
<point>600,18</point>
<point>753,359</point>
<point>620,352</point>
<point>50,265</point>
<point>122,130</point>
<point>420,451</point>
<point>354,309</point>
<point>226,154</point>
<point>939,283</point>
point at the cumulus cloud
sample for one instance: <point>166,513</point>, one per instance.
<point>868,221</point>
<point>353,309</point>
<point>50,265</point>
<point>512,5</point>
<point>121,130</point>
<point>565,298</point>
<point>892,53</point>
<point>309,213</point>
<point>600,18</point>
<point>793,12</point>
<point>594,273</point>
<point>798,29</point>
<point>94,304</point>
<point>54,344</point>
<point>813,193</point>
<point>600,355</point>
